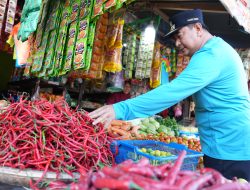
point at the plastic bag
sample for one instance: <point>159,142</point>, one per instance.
<point>22,48</point>
<point>36,94</point>
<point>115,82</point>
<point>113,60</point>
<point>114,48</point>
<point>29,20</point>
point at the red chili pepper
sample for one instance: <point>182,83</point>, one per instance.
<point>218,178</point>
<point>111,184</point>
<point>172,174</point>
<point>199,182</point>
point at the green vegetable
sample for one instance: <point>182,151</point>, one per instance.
<point>163,129</point>
<point>151,131</point>
<point>142,133</point>
<point>145,121</point>
<point>143,127</point>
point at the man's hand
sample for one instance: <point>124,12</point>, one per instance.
<point>103,115</point>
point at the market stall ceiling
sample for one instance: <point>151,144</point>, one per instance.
<point>218,20</point>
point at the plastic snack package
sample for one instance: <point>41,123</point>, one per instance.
<point>109,4</point>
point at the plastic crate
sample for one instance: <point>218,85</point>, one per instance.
<point>129,149</point>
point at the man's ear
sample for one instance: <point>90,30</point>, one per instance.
<point>198,27</point>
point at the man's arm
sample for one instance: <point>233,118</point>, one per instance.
<point>201,71</point>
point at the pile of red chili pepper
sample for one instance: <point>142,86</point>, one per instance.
<point>47,136</point>
<point>142,175</point>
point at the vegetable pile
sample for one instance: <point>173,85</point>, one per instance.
<point>157,153</point>
<point>191,143</point>
<point>142,175</point>
<point>154,126</point>
<point>51,137</point>
<point>123,130</point>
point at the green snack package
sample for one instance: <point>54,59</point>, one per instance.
<point>80,54</point>
<point>59,49</point>
<point>86,7</point>
<point>91,33</point>
<point>97,9</point>
<point>81,45</point>
<point>67,10</point>
<point>83,29</point>
<point>50,49</point>
<point>75,5</point>
<point>54,15</point>
<point>88,58</point>
<point>68,59</point>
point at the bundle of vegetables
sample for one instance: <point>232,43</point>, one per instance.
<point>142,175</point>
<point>123,130</point>
<point>171,123</point>
<point>153,126</point>
<point>47,136</point>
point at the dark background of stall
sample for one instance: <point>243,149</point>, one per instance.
<point>6,68</point>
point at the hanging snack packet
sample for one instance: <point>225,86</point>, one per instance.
<point>84,11</point>
<point>67,62</point>
<point>113,60</point>
<point>91,33</point>
<point>88,58</point>
<point>113,53</point>
<point>118,41</point>
<point>50,49</point>
<point>83,29</point>
<point>81,45</point>
<point>39,55</point>
<point>109,4</point>
<point>86,7</point>
<point>112,35</point>
<point>65,16</point>
<point>80,54</point>
<point>75,10</point>
<point>39,36</point>
<point>98,8</point>
<point>59,49</point>
<point>54,15</point>
<point>155,76</point>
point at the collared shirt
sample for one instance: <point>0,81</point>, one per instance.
<point>216,78</point>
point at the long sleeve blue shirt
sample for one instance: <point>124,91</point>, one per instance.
<point>216,78</point>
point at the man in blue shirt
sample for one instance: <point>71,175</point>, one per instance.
<point>216,78</point>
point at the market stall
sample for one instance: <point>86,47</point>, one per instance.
<point>71,56</point>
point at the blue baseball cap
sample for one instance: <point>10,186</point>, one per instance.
<point>185,18</point>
